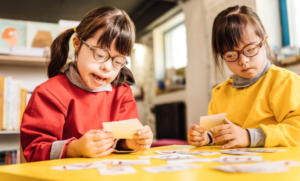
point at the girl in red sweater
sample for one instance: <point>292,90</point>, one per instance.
<point>65,114</point>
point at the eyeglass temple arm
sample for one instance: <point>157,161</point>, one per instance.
<point>84,42</point>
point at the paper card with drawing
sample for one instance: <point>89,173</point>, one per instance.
<point>123,129</point>
<point>208,122</point>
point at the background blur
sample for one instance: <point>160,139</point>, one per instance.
<point>171,60</point>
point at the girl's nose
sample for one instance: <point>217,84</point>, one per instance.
<point>106,66</point>
<point>243,60</point>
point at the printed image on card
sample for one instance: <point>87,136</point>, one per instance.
<point>116,170</point>
<point>238,159</point>
<point>170,168</point>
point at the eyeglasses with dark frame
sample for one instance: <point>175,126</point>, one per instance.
<point>102,55</point>
<point>249,50</point>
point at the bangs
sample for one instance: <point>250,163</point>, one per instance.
<point>229,33</point>
<point>123,31</point>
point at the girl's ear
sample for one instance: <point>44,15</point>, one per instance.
<point>76,43</point>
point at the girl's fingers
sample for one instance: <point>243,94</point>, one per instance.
<point>144,130</point>
<point>194,133</point>
<point>102,154</point>
<point>198,129</point>
<point>144,141</point>
<point>221,127</point>
<point>143,147</point>
<point>220,133</point>
<point>230,144</point>
<point>196,138</point>
<point>102,136</point>
<point>223,138</point>
<point>147,135</point>
<point>104,142</point>
<point>103,148</point>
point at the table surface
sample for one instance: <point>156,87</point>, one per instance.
<point>41,170</point>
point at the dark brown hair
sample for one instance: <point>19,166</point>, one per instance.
<point>117,26</point>
<point>228,29</point>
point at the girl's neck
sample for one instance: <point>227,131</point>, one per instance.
<point>241,82</point>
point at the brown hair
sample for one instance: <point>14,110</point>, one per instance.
<point>228,29</point>
<point>117,25</point>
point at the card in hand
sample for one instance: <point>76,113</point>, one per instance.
<point>208,122</point>
<point>131,162</point>
<point>238,159</point>
<point>170,168</point>
<point>116,170</point>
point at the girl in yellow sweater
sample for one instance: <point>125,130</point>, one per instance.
<point>262,101</point>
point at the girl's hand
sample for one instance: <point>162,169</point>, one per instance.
<point>229,131</point>
<point>197,136</point>
<point>93,144</point>
<point>142,140</point>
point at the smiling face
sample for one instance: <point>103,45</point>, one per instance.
<point>95,74</point>
<point>248,67</point>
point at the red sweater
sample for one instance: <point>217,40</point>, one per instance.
<point>58,110</point>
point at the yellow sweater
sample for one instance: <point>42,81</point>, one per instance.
<point>272,104</point>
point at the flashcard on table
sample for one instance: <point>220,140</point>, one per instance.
<point>169,152</point>
<point>116,170</point>
<point>266,167</point>
<point>232,152</point>
<point>238,159</point>
<point>208,122</point>
<point>170,168</point>
<point>79,166</point>
<point>168,157</point>
<point>189,161</point>
<point>259,150</point>
<point>123,129</point>
<point>203,153</point>
<point>131,162</point>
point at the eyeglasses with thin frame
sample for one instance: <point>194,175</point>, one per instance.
<point>102,55</point>
<point>249,50</point>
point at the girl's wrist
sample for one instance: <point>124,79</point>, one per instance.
<point>71,150</point>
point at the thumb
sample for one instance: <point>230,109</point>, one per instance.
<point>226,121</point>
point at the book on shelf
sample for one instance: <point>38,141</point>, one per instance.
<point>12,103</point>
<point>9,158</point>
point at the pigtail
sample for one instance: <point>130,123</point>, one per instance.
<point>124,76</point>
<point>59,53</point>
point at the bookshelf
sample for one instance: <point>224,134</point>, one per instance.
<point>22,60</point>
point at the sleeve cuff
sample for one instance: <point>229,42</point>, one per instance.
<point>121,151</point>
<point>58,149</point>
<point>257,137</point>
<point>211,142</point>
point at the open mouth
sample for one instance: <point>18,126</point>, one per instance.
<point>99,79</point>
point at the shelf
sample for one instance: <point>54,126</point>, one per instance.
<point>10,132</point>
<point>22,60</point>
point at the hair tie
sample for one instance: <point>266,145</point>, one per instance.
<point>75,29</point>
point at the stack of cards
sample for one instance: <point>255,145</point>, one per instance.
<point>238,159</point>
<point>170,168</point>
<point>265,167</point>
<point>168,157</point>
